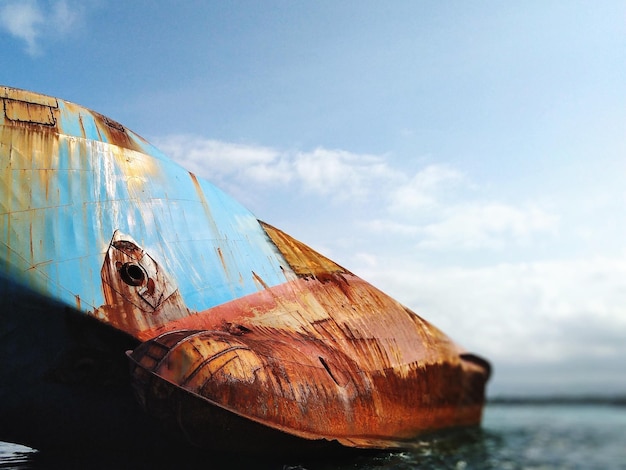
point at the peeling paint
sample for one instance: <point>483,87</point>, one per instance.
<point>240,324</point>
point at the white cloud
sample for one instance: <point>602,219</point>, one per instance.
<point>425,189</point>
<point>475,225</point>
<point>434,207</point>
<point>392,227</point>
<point>64,17</point>
<point>343,174</point>
<point>438,208</point>
<point>335,173</point>
<point>551,312</point>
<point>28,21</point>
<point>220,161</point>
<point>23,20</point>
<point>487,225</point>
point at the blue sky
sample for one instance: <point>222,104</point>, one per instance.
<point>467,158</point>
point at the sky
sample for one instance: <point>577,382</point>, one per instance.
<point>468,158</point>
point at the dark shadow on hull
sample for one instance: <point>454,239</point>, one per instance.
<point>64,379</point>
<point>65,390</point>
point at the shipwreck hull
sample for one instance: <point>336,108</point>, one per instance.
<point>230,324</point>
<point>308,402</point>
<point>326,356</point>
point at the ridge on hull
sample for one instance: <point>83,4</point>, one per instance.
<point>237,334</point>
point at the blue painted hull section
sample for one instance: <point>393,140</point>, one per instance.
<point>106,245</point>
<point>69,179</point>
<point>58,211</point>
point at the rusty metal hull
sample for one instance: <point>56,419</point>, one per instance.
<point>225,316</point>
<point>324,357</point>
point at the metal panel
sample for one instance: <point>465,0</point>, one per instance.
<point>240,322</point>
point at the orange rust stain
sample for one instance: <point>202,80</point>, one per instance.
<point>205,205</point>
<point>258,279</point>
<point>111,131</point>
<point>27,152</point>
<point>222,261</point>
<point>140,301</point>
<point>303,260</point>
<point>311,388</point>
<point>378,330</point>
<point>29,112</point>
<point>204,202</point>
<point>224,253</point>
<point>139,171</point>
<point>27,96</point>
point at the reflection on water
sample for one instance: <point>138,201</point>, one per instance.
<point>512,437</point>
<point>15,456</point>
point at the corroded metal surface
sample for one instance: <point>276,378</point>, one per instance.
<point>138,294</point>
<point>326,356</point>
<point>236,317</point>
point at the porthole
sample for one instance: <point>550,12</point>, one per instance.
<point>132,274</point>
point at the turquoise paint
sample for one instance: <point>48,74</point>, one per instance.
<point>59,212</point>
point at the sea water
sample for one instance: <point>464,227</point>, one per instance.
<point>512,436</point>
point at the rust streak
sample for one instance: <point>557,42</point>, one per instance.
<point>222,261</point>
<point>302,259</point>
<point>41,263</point>
<point>258,279</point>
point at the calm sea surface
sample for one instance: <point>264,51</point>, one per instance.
<point>512,437</point>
